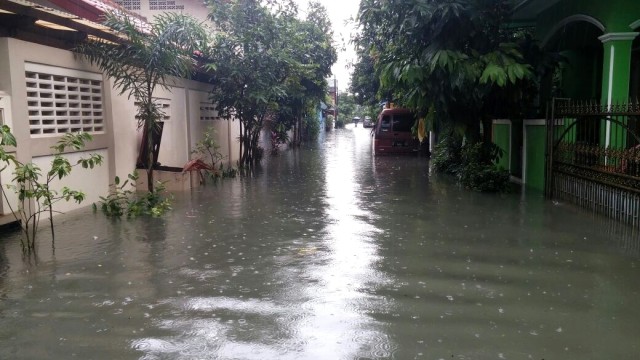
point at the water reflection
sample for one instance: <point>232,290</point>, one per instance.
<point>336,326</point>
<point>329,253</point>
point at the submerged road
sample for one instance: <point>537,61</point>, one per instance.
<point>328,253</point>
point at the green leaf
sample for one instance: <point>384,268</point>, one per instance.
<point>493,73</point>
<point>6,137</point>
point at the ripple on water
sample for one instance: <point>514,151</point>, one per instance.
<point>150,345</point>
<point>374,345</point>
<point>194,338</point>
<point>257,306</point>
<point>201,275</point>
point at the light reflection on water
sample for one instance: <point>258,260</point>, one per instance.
<point>328,253</point>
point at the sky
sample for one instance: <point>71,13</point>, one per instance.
<point>339,11</point>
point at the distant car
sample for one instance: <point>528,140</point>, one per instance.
<point>392,133</point>
<point>367,122</point>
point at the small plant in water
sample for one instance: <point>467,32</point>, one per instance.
<point>33,188</point>
<point>279,136</point>
<point>123,200</point>
<point>328,123</point>
<point>207,157</point>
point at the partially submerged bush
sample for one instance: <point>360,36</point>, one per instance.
<point>447,154</point>
<point>207,151</point>
<point>123,200</point>
<point>310,128</point>
<point>479,170</point>
<point>328,123</point>
<point>33,187</point>
<point>473,164</point>
<point>279,136</point>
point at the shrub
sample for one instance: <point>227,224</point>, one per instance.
<point>207,150</point>
<point>33,186</point>
<point>328,123</point>
<point>473,164</point>
<point>479,171</point>
<point>311,128</point>
<point>123,200</point>
<point>447,154</point>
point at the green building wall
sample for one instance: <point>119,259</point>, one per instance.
<point>598,69</point>
<point>615,15</point>
<point>502,138</point>
<point>581,77</point>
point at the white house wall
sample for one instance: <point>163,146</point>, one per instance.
<point>13,82</point>
<point>92,182</point>
<point>234,135</point>
<point>119,139</point>
<point>203,118</point>
<point>151,8</point>
<point>10,201</point>
<point>17,56</point>
<point>124,141</point>
<point>174,148</point>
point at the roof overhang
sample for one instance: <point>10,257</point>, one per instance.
<point>58,23</point>
<point>528,10</point>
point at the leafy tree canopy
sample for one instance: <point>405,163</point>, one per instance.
<point>365,82</point>
<point>249,63</point>
<point>450,56</point>
<point>265,61</point>
<point>314,53</point>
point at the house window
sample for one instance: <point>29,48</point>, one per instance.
<point>129,4</point>
<point>61,101</point>
<point>164,5</point>
<point>207,111</point>
<point>164,105</point>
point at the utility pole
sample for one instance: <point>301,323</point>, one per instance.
<point>335,94</point>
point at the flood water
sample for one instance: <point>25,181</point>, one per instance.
<point>328,253</point>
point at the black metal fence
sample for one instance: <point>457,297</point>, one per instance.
<point>593,157</point>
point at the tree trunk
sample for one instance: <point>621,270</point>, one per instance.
<point>245,144</point>
<point>255,138</point>
<point>487,126</point>
<point>150,158</point>
<point>472,130</point>
<point>240,151</point>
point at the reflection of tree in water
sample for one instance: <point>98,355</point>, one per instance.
<point>153,235</point>
<point>4,269</point>
<point>4,259</point>
<point>154,232</point>
<point>138,246</point>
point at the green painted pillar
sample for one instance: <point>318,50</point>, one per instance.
<point>615,78</point>
<point>502,137</point>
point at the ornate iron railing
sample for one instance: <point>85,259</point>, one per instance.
<point>593,157</point>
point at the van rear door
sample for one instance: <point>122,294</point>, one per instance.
<point>402,123</point>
